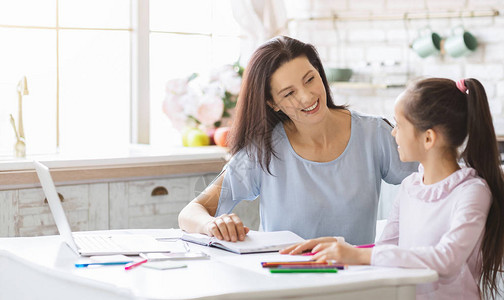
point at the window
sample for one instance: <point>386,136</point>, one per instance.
<point>78,58</point>
<point>190,36</point>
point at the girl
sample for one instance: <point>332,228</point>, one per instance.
<point>446,218</point>
<point>314,164</point>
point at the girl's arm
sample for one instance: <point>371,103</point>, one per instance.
<point>455,246</point>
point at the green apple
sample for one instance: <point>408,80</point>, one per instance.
<point>196,137</point>
<point>184,136</point>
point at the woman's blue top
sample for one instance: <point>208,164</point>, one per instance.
<point>314,199</point>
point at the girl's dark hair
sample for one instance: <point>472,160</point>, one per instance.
<point>255,120</point>
<point>437,102</point>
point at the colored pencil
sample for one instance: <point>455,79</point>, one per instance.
<point>339,267</point>
<point>275,264</point>
<point>276,270</point>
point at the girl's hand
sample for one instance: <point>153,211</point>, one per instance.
<point>342,252</point>
<point>227,227</point>
<point>306,245</point>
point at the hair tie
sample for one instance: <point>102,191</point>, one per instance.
<point>461,86</point>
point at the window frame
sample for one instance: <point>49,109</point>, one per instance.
<point>140,72</point>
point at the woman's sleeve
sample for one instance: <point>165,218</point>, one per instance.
<point>242,181</point>
<point>392,169</point>
<point>454,247</point>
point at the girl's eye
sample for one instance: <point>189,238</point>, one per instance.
<point>289,94</point>
<point>311,78</point>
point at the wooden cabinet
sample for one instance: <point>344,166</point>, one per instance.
<point>25,212</point>
<point>157,203</point>
<point>149,203</point>
<point>153,203</point>
<point>8,213</point>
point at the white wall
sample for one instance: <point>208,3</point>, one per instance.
<point>365,45</point>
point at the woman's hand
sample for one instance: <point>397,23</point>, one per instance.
<point>306,245</point>
<point>227,227</point>
<point>341,252</point>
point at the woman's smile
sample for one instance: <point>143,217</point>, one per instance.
<point>312,109</point>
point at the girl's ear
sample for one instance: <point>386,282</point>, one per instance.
<point>429,139</point>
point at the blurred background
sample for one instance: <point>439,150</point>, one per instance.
<point>97,70</point>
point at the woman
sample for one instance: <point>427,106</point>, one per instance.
<point>317,166</point>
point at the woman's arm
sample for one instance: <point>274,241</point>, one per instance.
<point>197,216</point>
<point>390,234</point>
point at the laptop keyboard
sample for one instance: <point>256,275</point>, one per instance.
<point>96,243</point>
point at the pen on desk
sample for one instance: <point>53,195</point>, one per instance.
<point>78,265</point>
<point>303,270</point>
<point>134,264</point>
<point>365,246</point>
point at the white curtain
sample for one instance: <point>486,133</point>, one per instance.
<point>260,20</point>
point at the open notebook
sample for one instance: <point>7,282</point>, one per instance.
<point>255,241</point>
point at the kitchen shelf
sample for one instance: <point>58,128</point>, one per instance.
<point>363,85</point>
<point>407,16</point>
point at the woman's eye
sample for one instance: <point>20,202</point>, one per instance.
<point>311,78</point>
<point>289,94</point>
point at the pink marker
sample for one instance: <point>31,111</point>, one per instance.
<point>134,264</point>
<point>309,253</point>
<point>365,246</point>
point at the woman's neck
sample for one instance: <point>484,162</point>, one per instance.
<point>320,134</point>
<point>437,168</point>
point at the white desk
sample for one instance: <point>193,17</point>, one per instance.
<point>43,268</point>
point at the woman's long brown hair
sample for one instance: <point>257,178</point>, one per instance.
<point>437,102</point>
<point>255,120</point>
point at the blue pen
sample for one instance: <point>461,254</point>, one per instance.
<point>102,264</point>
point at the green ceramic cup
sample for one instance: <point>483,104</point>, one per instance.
<point>428,43</point>
<point>460,43</point>
<point>338,74</point>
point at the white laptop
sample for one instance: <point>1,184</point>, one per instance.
<point>88,244</point>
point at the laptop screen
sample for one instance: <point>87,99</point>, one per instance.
<point>55,204</point>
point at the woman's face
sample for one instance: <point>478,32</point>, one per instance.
<point>407,138</point>
<point>298,91</point>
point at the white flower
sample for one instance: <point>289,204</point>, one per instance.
<point>215,89</point>
<point>176,86</point>
<point>201,99</point>
<point>190,102</point>
<point>210,109</point>
<point>231,82</point>
<point>216,73</point>
<point>174,109</point>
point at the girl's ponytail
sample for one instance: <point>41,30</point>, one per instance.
<point>482,154</point>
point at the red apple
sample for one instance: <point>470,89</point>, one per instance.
<point>211,132</point>
<point>221,135</point>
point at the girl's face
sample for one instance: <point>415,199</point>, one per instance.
<point>409,142</point>
<point>298,91</point>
